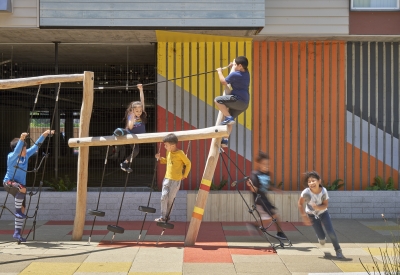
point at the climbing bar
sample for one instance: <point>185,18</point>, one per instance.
<point>38,80</point>
<point>204,133</point>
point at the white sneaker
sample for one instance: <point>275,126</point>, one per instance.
<point>322,242</point>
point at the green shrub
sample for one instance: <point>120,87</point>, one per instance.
<point>335,185</point>
<point>61,184</point>
<point>220,186</point>
<point>380,184</point>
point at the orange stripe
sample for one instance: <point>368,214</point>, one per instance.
<point>197,216</point>
<point>356,168</point>
<point>256,88</point>
<point>287,134</point>
<point>327,128</point>
<point>264,100</point>
<point>342,109</point>
<point>271,104</point>
<point>310,107</point>
<point>204,187</point>
<point>279,111</point>
<point>334,121</point>
<point>303,104</point>
<point>318,108</point>
<point>295,111</point>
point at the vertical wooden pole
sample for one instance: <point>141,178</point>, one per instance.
<point>204,189</point>
<point>83,159</point>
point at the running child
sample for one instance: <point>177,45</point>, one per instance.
<point>316,210</point>
<point>178,168</point>
<point>14,181</point>
<point>236,98</point>
<point>260,185</point>
<point>135,117</point>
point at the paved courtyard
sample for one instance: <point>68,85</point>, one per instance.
<point>221,248</point>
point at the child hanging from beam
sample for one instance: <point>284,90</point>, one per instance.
<point>236,98</point>
<point>135,117</point>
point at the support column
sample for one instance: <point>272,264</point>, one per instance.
<point>83,159</point>
<point>204,190</point>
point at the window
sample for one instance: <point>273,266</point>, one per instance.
<point>382,5</point>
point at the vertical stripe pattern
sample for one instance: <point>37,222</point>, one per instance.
<point>188,103</point>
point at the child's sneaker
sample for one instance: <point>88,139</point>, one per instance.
<point>160,219</point>
<point>18,237</point>
<point>339,254</point>
<point>125,167</point>
<point>281,235</point>
<point>20,215</point>
<point>118,132</point>
<point>322,242</point>
<point>228,120</point>
<point>224,142</point>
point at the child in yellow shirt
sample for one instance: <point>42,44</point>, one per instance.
<point>176,162</point>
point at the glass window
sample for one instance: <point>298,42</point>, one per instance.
<point>375,4</point>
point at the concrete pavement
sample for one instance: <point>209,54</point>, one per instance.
<point>227,248</point>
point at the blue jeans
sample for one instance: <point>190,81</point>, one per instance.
<point>324,219</point>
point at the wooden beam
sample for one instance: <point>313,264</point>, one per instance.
<point>35,81</point>
<point>83,159</point>
<point>205,133</point>
<point>204,190</point>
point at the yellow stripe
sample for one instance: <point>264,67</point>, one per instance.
<point>208,52</point>
<point>198,210</point>
<point>206,182</point>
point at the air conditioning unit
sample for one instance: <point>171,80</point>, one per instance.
<point>5,6</point>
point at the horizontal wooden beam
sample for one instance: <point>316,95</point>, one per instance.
<point>35,81</point>
<point>205,133</point>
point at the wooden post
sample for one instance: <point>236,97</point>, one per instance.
<point>83,159</point>
<point>204,189</point>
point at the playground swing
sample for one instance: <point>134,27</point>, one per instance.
<point>254,212</point>
<point>146,209</point>
<point>115,228</point>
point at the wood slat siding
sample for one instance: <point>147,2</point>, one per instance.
<point>300,117</point>
<point>228,206</point>
<point>373,126</point>
<point>322,17</point>
<point>24,15</point>
<point>130,13</point>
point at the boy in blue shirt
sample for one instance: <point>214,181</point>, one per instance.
<point>237,100</point>
<point>14,181</point>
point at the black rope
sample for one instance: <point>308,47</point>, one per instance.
<point>123,194</point>
<point>153,83</point>
<point>151,191</point>
<point>101,187</point>
<point>44,170</point>
<point>253,208</point>
<point>19,156</point>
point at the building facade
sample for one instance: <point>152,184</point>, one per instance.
<point>324,90</point>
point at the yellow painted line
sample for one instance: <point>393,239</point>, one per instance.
<point>42,268</point>
<point>155,273</point>
<point>387,227</point>
<point>167,36</point>
<point>105,267</point>
<point>357,267</point>
<point>206,182</point>
<point>198,210</point>
<point>375,251</point>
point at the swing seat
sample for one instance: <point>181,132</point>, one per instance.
<point>147,209</point>
<point>97,213</point>
<point>165,225</point>
<point>115,229</point>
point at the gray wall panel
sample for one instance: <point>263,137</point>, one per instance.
<point>130,13</point>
